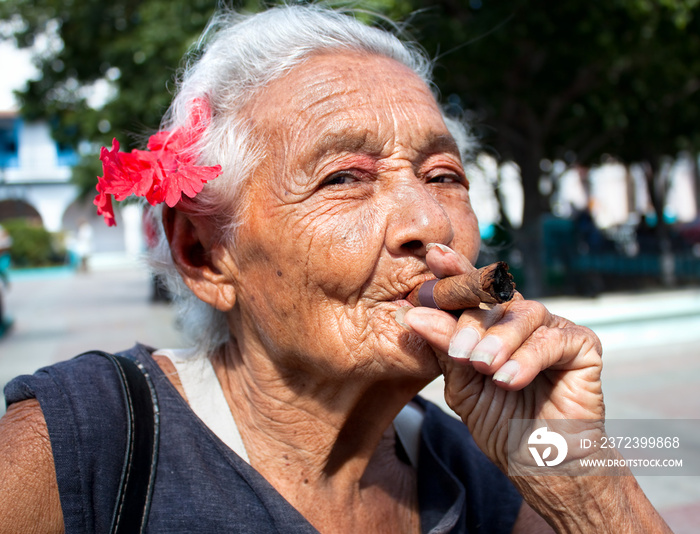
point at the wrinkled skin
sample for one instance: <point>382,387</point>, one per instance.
<point>359,179</point>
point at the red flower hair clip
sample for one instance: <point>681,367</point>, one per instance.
<point>160,174</point>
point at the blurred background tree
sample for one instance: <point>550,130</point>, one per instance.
<point>540,81</point>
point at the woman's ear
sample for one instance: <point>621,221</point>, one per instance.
<point>204,264</point>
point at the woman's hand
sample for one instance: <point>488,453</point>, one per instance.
<point>518,361</point>
<point>515,361</point>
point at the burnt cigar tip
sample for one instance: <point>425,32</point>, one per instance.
<point>503,286</point>
<point>492,284</point>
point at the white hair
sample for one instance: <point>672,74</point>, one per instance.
<point>235,58</point>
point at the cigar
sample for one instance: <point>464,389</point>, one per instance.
<point>492,284</point>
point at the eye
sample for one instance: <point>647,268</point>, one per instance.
<point>447,178</point>
<point>340,178</point>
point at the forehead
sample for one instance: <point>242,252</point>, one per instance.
<point>362,99</point>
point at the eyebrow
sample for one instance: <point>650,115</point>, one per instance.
<point>339,142</point>
<point>440,143</point>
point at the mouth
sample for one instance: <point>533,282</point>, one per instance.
<point>401,302</point>
<point>401,297</point>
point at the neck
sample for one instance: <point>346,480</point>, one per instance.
<point>322,436</point>
<point>321,432</point>
<point>323,439</point>
<point>329,449</point>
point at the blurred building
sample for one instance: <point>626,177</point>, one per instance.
<point>35,183</point>
<point>34,172</point>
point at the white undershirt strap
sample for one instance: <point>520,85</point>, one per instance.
<point>407,426</point>
<point>206,396</point>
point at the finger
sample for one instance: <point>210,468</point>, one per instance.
<point>455,337</point>
<point>503,330</point>
<point>448,334</point>
<point>470,329</point>
<point>479,319</point>
<point>435,326</point>
<point>512,327</point>
<point>554,350</point>
<point>443,261</point>
<point>486,315</point>
<point>452,345</point>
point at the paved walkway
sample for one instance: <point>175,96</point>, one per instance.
<point>652,344</point>
<point>58,314</point>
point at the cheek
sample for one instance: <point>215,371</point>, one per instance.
<point>474,237</point>
<point>311,257</point>
<point>343,251</point>
<point>302,284</point>
<point>467,239</point>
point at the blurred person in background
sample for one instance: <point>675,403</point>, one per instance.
<point>334,187</point>
<point>83,245</point>
<point>5,262</point>
<point>159,287</point>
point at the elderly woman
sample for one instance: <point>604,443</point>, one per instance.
<point>334,186</point>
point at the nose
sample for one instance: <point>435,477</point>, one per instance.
<point>415,219</point>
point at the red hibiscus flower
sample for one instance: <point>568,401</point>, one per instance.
<point>160,174</point>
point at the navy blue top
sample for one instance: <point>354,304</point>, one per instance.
<point>201,485</point>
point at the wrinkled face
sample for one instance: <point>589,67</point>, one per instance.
<point>361,174</point>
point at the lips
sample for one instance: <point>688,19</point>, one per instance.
<point>420,279</point>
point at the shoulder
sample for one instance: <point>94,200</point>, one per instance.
<point>82,401</point>
<point>71,417</point>
<point>27,473</point>
<point>88,374</point>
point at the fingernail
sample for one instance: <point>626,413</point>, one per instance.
<point>442,247</point>
<point>507,372</point>
<point>486,350</point>
<point>462,343</point>
<point>400,313</point>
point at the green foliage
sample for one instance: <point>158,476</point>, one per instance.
<point>32,244</point>
<point>135,46</point>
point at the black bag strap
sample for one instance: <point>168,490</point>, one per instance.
<point>141,455</point>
